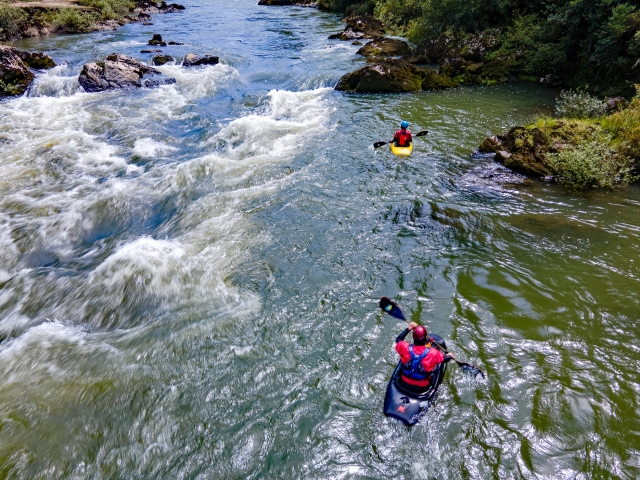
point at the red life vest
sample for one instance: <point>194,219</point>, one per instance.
<point>414,372</point>
<point>402,138</point>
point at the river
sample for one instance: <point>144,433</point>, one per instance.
<point>189,275</point>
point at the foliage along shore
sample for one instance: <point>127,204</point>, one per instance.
<point>21,19</point>
<point>587,44</point>
<point>583,147</point>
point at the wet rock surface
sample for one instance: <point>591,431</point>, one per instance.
<point>156,41</point>
<point>389,76</point>
<point>385,47</point>
<point>15,69</point>
<point>521,150</point>
<point>193,60</point>
<point>118,72</point>
<point>393,76</point>
<point>162,60</point>
<point>361,27</point>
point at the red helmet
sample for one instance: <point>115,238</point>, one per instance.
<point>419,334</point>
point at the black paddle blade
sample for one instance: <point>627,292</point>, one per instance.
<point>391,308</point>
<point>379,144</point>
<point>472,370</point>
<point>422,133</point>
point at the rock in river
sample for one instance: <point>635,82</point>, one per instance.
<point>118,71</point>
<point>393,76</point>
<point>193,60</point>
<point>157,41</point>
<point>359,27</point>
<point>388,76</point>
<point>385,47</point>
<point>162,59</point>
<point>15,73</point>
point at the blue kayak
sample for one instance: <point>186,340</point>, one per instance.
<point>406,403</point>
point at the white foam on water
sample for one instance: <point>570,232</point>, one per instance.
<point>55,82</point>
<point>289,119</point>
<point>64,178</point>
<point>198,82</point>
<point>149,148</point>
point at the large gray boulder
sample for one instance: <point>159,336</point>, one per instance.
<point>15,73</point>
<point>118,72</point>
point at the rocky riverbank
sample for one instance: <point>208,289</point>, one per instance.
<point>17,69</point>
<point>30,19</point>
<point>585,152</point>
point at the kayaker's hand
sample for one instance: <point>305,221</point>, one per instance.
<point>451,355</point>
<point>412,325</point>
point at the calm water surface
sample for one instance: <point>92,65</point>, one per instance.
<point>189,275</point>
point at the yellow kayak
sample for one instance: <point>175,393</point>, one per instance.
<point>402,151</point>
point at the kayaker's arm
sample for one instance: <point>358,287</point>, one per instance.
<point>406,331</point>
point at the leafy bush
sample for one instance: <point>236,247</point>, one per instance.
<point>579,104</point>
<point>592,164</point>
<point>110,9</point>
<point>624,127</point>
<point>12,20</point>
<point>74,21</point>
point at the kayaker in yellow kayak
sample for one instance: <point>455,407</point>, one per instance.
<point>403,137</point>
<point>402,143</point>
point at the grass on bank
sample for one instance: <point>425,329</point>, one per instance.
<point>592,151</point>
<point>15,21</point>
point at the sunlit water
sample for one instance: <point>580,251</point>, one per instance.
<point>189,275</point>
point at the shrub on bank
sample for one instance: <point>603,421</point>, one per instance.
<point>12,21</point>
<point>579,104</point>
<point>588,150</point>
<point>591,164</point>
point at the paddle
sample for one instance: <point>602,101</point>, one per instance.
<point>419,134</point>
<point>393,309</point>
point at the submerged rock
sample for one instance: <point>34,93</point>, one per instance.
<point>193,60</point>
<point>15,73</point>
<point>118,72</point>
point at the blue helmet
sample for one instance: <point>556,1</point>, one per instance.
<point>404,124</point>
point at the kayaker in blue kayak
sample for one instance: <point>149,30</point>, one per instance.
<point>420,359</point>
<point>402,137</point>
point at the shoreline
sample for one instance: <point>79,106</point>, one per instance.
<point>66,17</point>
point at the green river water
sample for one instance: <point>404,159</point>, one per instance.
<point>189,275</point>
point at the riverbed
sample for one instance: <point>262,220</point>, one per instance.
<point>189,275</point>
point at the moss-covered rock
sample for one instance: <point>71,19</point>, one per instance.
<point>431,80</point>
<point>361,27</point>
<point>15,75</point>
<point>385,47</point>
<point>388,76</point>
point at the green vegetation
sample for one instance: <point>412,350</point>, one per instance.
<point>591,152</point>
<point>577,43</point>
<point>16,21</point>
